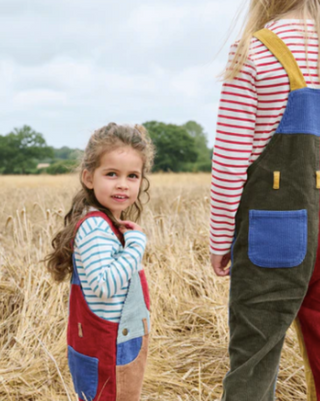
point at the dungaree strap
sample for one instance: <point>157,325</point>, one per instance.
<point>106,218</point>
<point>281,51</point>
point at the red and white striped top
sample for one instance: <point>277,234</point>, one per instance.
<point>251,107</point>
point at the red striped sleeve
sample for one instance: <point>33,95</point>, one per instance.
<point>232,150</point>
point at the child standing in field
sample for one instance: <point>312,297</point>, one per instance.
<point>265,195</point>
<point>109,320</point>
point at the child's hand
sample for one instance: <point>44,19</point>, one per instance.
<point>127,225</point>
<point>219,263</point>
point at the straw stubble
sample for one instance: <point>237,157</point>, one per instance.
<point>188,350</point>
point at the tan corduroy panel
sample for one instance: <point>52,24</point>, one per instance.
<point>280,50</point>
<point>130,376</point>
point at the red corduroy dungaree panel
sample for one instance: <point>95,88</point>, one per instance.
<point>99,336</point>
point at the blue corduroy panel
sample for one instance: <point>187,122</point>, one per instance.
<point>84,371</point>
<point>302,114</point>
<point>133,312</point>
<point>75,277</point>
<point>128,351</point>
<point>277,238</point>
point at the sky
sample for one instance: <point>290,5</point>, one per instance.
<point>68,67</point>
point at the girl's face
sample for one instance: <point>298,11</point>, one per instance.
<point>116,182</point>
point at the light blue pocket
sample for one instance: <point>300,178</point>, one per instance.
<point>84,372</point>
<point>277,238</point>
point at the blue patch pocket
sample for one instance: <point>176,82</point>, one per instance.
<point>128,351</point>
<point>277,238</point>
<point>84,372</point>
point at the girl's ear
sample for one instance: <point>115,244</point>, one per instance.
<point>87,179</point>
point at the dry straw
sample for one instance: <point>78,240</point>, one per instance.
<point>188,354</point>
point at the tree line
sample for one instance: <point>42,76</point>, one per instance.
<point>178,148</point>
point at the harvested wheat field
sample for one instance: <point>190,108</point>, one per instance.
<point>188,352</point>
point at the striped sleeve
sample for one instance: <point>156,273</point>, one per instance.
<point>232,149</point>
<point>108,266</point>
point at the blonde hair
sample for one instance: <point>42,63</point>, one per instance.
<point>103,140</point>
<point>263,11</point>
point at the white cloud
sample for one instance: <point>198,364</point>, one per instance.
<point>35,98</point>
<point>68,67</point>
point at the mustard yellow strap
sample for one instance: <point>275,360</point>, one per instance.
<point>276,179</point>
<point>318,179</point>
<point>281,51</point>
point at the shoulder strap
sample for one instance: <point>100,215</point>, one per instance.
<point>281,51</point>
<point>106,218</point>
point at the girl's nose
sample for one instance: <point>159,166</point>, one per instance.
<point>122,184</point>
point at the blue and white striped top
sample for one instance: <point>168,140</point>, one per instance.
<point>105,266</point>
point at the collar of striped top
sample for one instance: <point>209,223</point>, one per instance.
<point>89,210</point>
<point>289,21</point>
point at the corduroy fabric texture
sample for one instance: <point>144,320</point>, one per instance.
<point>302,113</point>
<point>130,376</point>
<point>265,301</point>
<point>134,312</point>
<point>265,298</point>
<point>309,318</point>
<point>107,360</point>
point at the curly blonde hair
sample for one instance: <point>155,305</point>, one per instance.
<point>103,140</point>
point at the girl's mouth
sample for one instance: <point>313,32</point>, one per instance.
<point>119,198</point>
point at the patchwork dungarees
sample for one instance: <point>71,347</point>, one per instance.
<point>275,259</point>
<point>106,359</point>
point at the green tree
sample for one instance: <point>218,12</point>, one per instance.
<point>62,167</point>
<point>197,132</point>
<point>21,149</point>
<point>204,158</point>
<point>174,146</point>
<point>66,153</point>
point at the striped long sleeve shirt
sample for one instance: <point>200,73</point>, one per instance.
<point>105,266</point>
<point>250,110</point>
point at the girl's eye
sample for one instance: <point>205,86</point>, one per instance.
<point>133,176</point>
<point>111,174</point>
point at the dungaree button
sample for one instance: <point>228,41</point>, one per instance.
<point>125,332</point>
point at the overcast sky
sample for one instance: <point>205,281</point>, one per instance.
<point>68,67</point>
